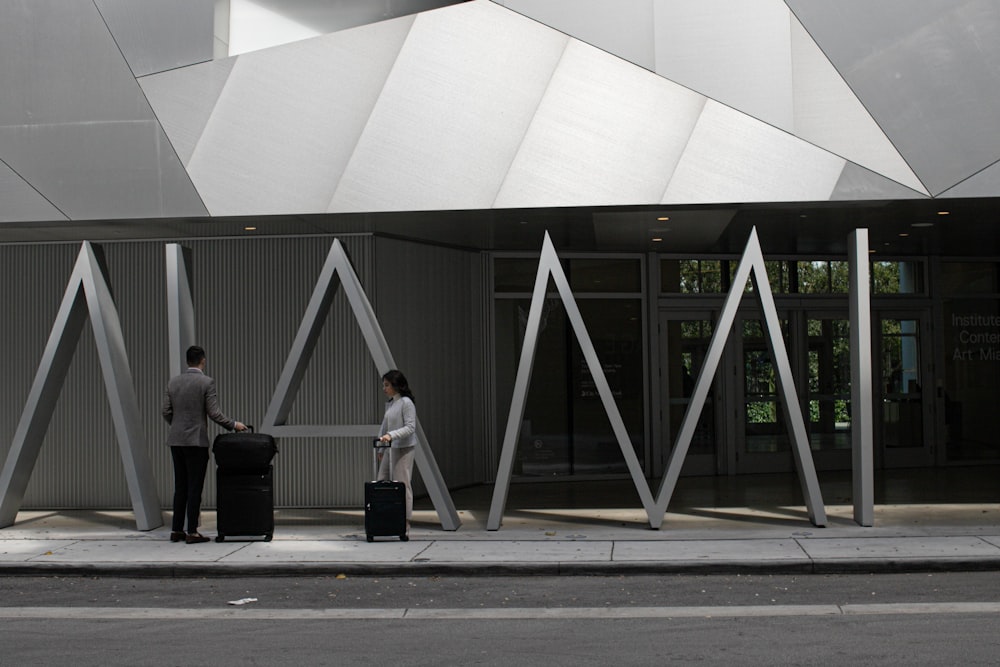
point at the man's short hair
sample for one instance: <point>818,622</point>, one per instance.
<point>194,355</point>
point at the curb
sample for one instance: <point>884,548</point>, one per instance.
<point>500,569</point>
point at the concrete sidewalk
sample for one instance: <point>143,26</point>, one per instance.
<point>594,541</point>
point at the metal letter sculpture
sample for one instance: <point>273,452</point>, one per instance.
<point>338,272</point>
<point>548,265</point>
<point>862,406</point>
<point>751,264</point>
<point>87,293</point>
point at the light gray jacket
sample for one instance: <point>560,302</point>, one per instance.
<point>400,421</point>
<point>189,399</point>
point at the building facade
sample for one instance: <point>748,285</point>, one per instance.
<point>440,142</point>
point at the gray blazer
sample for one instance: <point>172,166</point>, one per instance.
<point>189,399</point>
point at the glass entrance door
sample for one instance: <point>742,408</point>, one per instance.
<point>903,406</point>
<point>818,346</point>
<point>684,341</point>
<point>828,388</point>
<point>762,440</point>
<point>743,428</point>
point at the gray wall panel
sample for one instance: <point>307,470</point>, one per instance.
<point>157,35</point>
<point>249,297</point>
<point>440,354</point>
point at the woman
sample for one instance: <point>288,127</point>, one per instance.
<point>399,431</point>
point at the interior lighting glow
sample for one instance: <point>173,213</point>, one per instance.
<point>249,229</point>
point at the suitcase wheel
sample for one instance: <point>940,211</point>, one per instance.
<point>404,538</point>
<point>371,539</point>
<point>220,538</point>
<point>267,538</point>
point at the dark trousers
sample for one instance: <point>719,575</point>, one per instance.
<point>190,465</point>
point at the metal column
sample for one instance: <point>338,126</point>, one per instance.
<point>862,396</point>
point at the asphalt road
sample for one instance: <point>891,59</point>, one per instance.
<point>906,619</point>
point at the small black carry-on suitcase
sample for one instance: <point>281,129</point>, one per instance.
<point>244,484</point>
<point>385,505</point>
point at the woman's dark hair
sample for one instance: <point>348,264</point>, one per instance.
<point>398,382</point>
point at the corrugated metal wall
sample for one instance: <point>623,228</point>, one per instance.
<point>250,294</point>
<point>437,343</point>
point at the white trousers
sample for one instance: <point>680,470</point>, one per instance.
<point>400,462</point>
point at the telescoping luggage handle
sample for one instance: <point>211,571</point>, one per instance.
<point>377,446</point>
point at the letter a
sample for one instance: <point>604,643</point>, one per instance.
<point>87,292</point>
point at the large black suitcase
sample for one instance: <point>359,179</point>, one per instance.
<point>244,451</point>
<point>385,510</point>
<point>245,503</point>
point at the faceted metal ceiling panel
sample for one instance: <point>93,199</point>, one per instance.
<point>472,106</point>
<point>734,52</point>
<point>624,29</point>
<point>79,129</point>
<point>984,184</point>
<point>606,132</point>
<point>102,170</point>
<point>927,70</point>
<point>829,115</point>
<point>856,183</point>
<point>19,202</point>
<point>731,157</point>
<point>50,51</point>
<point>261,24</point>
<point>157,35</point>
<point>453,112</point>
<point>288,120</point>
<point>184,100</point>
<point>754,57</point>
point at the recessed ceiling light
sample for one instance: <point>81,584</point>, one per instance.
<point>663,218</point>
<point>922,224</point>
<point>944,212</point>
<point>870,252</point>
<point>249,229</point>
<point>903,234</point>
<point>657,239</point>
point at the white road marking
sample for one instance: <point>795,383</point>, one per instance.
<point>515,613</point>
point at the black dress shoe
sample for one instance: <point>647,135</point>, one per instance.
<point>195,538</point>
<point>177,536</point>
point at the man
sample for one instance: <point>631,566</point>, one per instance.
<point>191,398</point>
